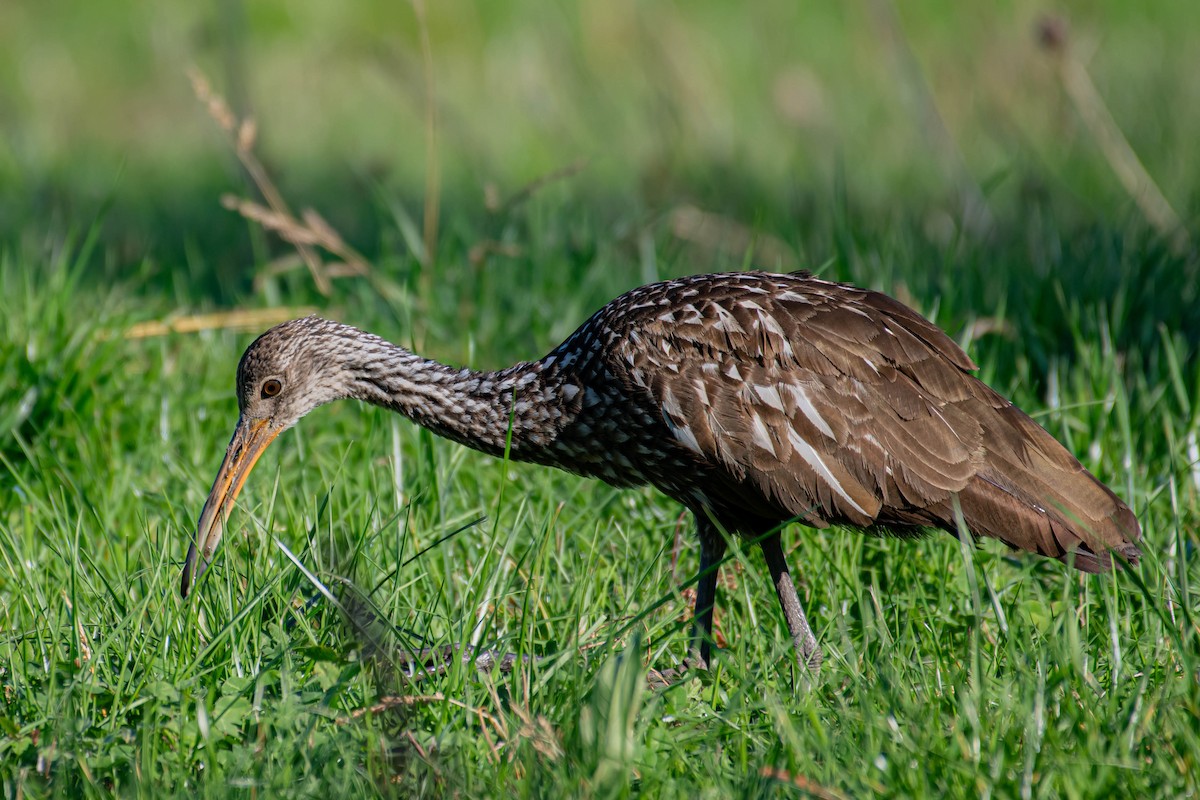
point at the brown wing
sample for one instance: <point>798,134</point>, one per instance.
<point>835,404</point>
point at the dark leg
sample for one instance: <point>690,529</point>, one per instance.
<point>808,652</point>
<point>712,550</point>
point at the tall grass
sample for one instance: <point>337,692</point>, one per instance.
<point>949,671</point>
<point>784,138</point>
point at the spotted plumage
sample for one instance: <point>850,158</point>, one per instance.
<point>751,398</point>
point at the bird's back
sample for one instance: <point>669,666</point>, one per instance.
<point>766,397</point>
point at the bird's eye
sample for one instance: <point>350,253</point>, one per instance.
<point>271,388</point>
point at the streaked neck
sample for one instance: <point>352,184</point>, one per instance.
<point>473,408</point>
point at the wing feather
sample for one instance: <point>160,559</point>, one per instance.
<point>801,398</point>
<point>834,404</point>
<point>813,403</point>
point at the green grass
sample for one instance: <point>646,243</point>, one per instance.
<point>948,672</point>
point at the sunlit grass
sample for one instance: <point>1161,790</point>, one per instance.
<point>953,672</point>
<point>788,135</point>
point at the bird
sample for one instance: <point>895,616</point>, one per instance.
<point>753,399</point>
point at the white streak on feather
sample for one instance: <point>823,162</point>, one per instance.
<point>805,404</point>
<point>772,326</point>
<point>806,451</point>
<point>769,395</point>
<point>670,406</point>
<point>672,412</point>
<point>684,435</point>
<point>725,321</point>
<point>762,437</point>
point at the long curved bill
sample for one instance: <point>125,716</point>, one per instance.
<point>250,439</point>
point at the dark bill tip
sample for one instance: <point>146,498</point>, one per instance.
<point>186,580</point>
<point>250,439</point>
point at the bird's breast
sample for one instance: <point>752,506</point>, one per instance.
<point>602,431</point>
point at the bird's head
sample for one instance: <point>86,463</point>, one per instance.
<point>287,372</point>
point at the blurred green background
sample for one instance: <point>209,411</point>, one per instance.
<point>767,113</point>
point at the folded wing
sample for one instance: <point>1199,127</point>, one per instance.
<point>839,405</point>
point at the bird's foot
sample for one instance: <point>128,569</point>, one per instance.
<point>662,678</point>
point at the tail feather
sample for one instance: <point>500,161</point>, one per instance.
<point>990,510</point>
<point>1032,494</point>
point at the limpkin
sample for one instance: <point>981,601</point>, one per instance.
<point>753,399</point>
